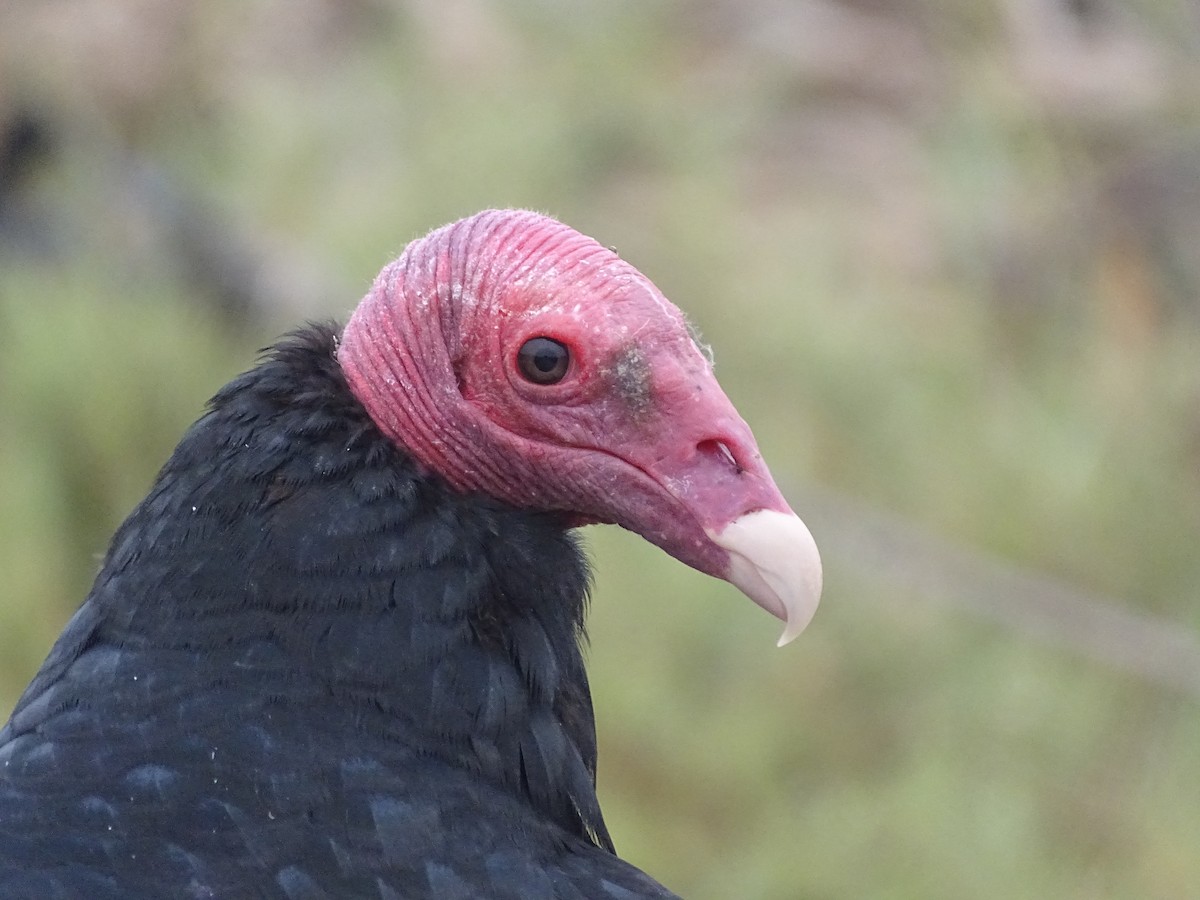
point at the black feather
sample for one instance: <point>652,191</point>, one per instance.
<point>307,669</point>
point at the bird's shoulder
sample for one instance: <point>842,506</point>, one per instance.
<point>282,675</point>
<point>292,806</point>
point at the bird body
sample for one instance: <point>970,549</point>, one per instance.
<point>318,661</point>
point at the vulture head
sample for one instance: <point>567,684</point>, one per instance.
<point>518,358</point>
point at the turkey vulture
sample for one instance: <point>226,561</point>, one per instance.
<point>336,651</point>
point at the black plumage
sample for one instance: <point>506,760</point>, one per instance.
<point>308,668</point>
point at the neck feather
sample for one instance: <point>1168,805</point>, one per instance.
<point>450,622</point>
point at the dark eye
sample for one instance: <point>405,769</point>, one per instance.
<point>543,360</point>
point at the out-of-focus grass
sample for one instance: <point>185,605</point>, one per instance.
<point>98,380</point>
<point>914,297</point>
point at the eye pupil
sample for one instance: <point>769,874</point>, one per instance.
<point>543,360</point>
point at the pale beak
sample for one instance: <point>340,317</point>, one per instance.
<point>774,561</point>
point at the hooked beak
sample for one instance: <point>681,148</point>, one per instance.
<point>730,520</point>
<point>774,561</point>
<point>696,485</point>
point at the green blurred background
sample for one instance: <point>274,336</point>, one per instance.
<point>948,255</point>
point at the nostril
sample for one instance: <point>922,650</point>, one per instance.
<point>713,447</point>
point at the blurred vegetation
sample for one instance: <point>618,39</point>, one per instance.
<point>947,256</point>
